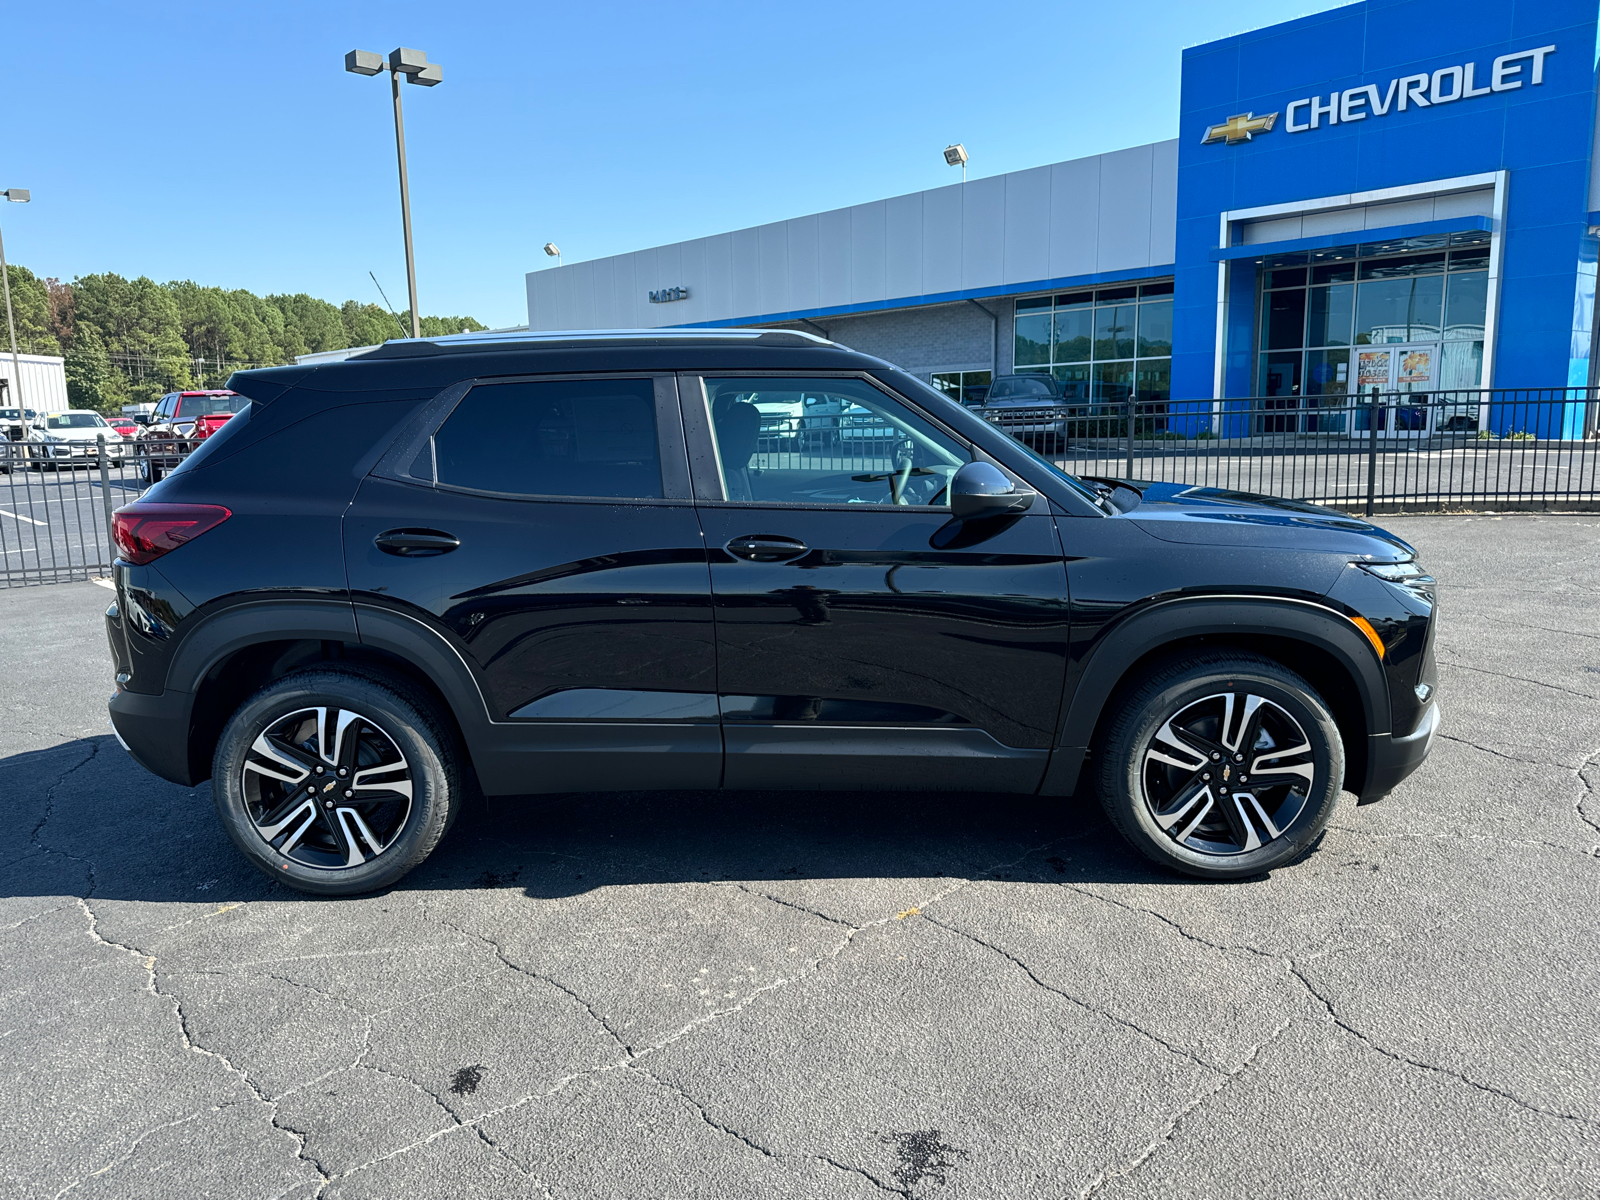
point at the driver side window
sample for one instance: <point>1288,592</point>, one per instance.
<point>800,440</point>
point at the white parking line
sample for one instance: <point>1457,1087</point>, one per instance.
<point>15,517</point>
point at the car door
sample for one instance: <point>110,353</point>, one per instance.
<point>544,528</point>
<point>864,638</point>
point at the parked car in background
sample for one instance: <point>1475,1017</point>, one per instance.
<point>1029,408</point>
<point>126,426</point>
<point>181,421</point>
<point>72,439</point>
<point>11,422</point>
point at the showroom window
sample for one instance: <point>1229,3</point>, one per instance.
<point>964,387</point>
<point>1319,307</point>
<point>1104,344</point>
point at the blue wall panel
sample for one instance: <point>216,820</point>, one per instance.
<point>1541,135</point>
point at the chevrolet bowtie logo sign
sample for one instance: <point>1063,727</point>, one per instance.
<point>1239,128</point>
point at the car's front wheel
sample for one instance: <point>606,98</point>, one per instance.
<point>334,782</point>
<point>1222,765</point>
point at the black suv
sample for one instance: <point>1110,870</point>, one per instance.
<point>514,564</point>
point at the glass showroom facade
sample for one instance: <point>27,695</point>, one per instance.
<point>1424,299</point>
<point>1103,345</point>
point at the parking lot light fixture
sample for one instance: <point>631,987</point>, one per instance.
<point>16,196</point>
<point>412,66</point>
<point>955,155</point>
<point>554,251</point>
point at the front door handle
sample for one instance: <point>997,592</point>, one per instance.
<point>416,543</point>
<point>766,547</point>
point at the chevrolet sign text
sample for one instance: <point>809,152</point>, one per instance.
<point>1505,74</point>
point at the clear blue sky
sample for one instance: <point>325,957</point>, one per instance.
<point>224,143</point>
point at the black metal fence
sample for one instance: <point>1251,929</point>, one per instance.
<point>56,501</point>
<point>1385,452</point>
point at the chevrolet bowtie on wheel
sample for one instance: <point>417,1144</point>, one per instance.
<point>512,564</point>
<point>334,781</point>
<point>1222,765</point>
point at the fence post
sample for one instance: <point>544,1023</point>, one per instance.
<point>1372,448</point>
<point>1129,473</point>
<point>105,501</point>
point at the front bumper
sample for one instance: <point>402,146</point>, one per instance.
<point>68,451</point>
<point>1391,759</point>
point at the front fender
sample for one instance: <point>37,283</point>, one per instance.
<point>1168,622</point>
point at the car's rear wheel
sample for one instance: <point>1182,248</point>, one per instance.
<point>1222,765</point>
<point>149,469</point>
<point>334,782</point>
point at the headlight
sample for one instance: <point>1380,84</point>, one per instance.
<point>1400,572</point>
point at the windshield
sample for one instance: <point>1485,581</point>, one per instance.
<point>210,406</point>
<point>74,420</point>
<point>12,413</point>
<point>924,391</point>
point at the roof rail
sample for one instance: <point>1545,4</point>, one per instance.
<point>489,337</point>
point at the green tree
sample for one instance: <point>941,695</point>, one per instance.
<point>369,325</point>
<point>139,323</point>
<point>444,326</point>
<point>310,326</point>
<point>30,306</point>
<point>91,381</point>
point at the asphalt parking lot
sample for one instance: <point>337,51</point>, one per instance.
<point>779,995</point>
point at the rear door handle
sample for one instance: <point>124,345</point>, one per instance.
<point>416,543</point>
<point>766,547</point>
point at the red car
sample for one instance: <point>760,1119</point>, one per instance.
<point>181,421</point>
<point>126,426</point>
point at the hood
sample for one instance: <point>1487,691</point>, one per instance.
<point>1024,402</point>
<point>77,435</point>
<point>1217,517</point>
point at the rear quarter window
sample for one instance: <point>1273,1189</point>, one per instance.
<point>576,437</point>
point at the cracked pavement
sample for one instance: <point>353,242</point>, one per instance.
<point>779,995</point>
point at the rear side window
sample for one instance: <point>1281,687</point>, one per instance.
<point>576,437</point>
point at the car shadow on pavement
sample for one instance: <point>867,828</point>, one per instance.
<point>87,819</point>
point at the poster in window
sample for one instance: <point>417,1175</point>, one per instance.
<point>1372,370</point>
<point>1416,366</point>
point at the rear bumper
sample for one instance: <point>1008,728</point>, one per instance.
<point>1391,759</point>
<point>155,730</point>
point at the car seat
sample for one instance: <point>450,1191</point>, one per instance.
<point>738,427</point>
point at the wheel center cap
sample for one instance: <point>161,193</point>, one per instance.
<point>1227,773</point>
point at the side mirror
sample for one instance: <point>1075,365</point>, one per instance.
<point>982,490</point>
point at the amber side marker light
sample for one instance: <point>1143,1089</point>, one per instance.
<point>1365,626</point>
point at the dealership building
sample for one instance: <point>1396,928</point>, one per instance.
<point>1397,195</point>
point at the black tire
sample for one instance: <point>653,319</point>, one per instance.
<point>149,470</point>
<point>390,832</point>
<point>1186,714</point>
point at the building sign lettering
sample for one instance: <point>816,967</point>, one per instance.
<point>1424,90</point>
<point>668,295</point>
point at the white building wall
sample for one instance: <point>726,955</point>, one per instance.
<point>43,382</point>
<point>1091,216</point>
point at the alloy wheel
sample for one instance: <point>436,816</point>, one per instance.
<point>1228,773</point>
<point>327,788</point>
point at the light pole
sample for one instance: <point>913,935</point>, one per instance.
<point>956,156</point>
<point>16,196</point>
<point>554,251</point>
<point>414,65</point>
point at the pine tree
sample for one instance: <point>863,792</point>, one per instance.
<point>91,383</point>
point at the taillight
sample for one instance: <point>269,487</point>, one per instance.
<point>144,532</point>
